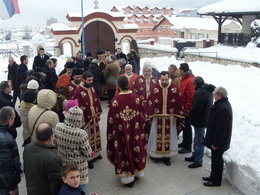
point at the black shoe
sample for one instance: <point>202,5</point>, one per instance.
<point>194,165</point>
<point>90,165</point>
<point>180,145</point>
<point>210,184</point>
<point>206,178</point>
<point>184,151</point>
<point>189,159</point>
<point>130,185</point>
<point>167,161</point>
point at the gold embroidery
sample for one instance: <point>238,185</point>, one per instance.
<point>70,88</point>
<point>83,94</point>
<point>156,90</point>
<point>137,101</point>
<point>137,137</point>
<point>116,144</point>
<point>136,125</point>
<point>128,114</point>
<point>156,101</point>
<point>141,80</point>
<point>174,90</point>
<point>110,120</point>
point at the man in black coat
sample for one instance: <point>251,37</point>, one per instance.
<point>20,75</point>
<point>12,68</point>
<point>6,100</point>
<point>218,135</point>
<point>51,77</point>
<point>201,104</point>
<point>137,59</point>
<point>120,54</point>
<point>10,166</point>
<point>131,60</point>
<point>42,166</point>
<point>40,59</point>
<point>97,75</point>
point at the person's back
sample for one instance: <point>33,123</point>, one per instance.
<point>42,166</point>
<point>46,100</point>
<point>72,142</point>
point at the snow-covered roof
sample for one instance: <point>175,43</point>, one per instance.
<point>90,11</point>
<point>62,27</point>
<point>129,26</point>
<point>231,6</point>
<point>194,23</point>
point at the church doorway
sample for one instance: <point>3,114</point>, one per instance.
<point>99,36</point>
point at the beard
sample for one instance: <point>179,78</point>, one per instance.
<point>165,84</point>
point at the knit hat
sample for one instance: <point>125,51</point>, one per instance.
<point>69,104</point>
<point>74,117</point>
<point>29,96</point>
<point>32,84</point>
<point>89,54</point>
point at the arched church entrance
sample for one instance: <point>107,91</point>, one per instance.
<point>99,36</point>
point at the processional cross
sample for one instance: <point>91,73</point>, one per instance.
<point>96,4</point>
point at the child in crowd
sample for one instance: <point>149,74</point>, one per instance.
<point>71,179</point>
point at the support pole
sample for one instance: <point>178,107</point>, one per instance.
<point>83,34</point>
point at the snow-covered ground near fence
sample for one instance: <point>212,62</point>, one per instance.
<point>243,157</point>
<point>249,54</point>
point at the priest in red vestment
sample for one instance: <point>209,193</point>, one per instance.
<point>75,80</point>
<point>65,78</point>
<point>126,143</point>
<point>89,103</point>
<point>131,77</point>
<point>165,110</point>
<point>145,83</point>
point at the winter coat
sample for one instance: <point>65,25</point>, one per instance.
<point>10,166</point>
<point>24,111</point>
<point>21,75</point>
<point>111,74</point>
<point>176,79</point>
<point>121,55</point>
<point>6,100</point>
<point>79,63</point>
<point>219,126</point>
<point>46,99</point>
<point>51,78</point>
<point>137,59</point>
<point>12,72</point>
<point>39,62</point>
<point>134,64</point>
<point>42,168</point>
<point>187,90</point>
<point>201,105</point>
<point>73,143</point>
<point>97,77</point>
<point>67,190</point>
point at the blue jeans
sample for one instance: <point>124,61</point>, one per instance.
<point>84,187</point>
<point>198,144</point>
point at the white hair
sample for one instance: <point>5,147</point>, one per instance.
<point>129,65</point>
<point>147,65</point>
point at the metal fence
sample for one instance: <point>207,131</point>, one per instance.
<point>237,39</point>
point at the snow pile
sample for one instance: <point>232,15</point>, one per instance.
<point>244,54</point>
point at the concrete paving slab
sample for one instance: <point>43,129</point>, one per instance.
<point>159,179</point>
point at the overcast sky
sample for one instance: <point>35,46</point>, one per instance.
<point>39,10</point>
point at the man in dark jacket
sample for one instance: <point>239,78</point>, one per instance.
<point>42,166</point>
<point>97,75</point>
<point>21,75</point>
<point>132,61</point>
<point>218,135</point>
<point>40,59</point>
<point>6,100</point>
<point>120,54</point>
<point>137,59</point>
<point>79,63</point>
<point>12,68</point>
<point>199,114</point>
<point>10,166</point>
<point>51,77</point>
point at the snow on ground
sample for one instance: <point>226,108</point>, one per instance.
<point>243,157</point>
<point>249,54</point>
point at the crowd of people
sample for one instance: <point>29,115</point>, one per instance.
<point>60,117</point>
